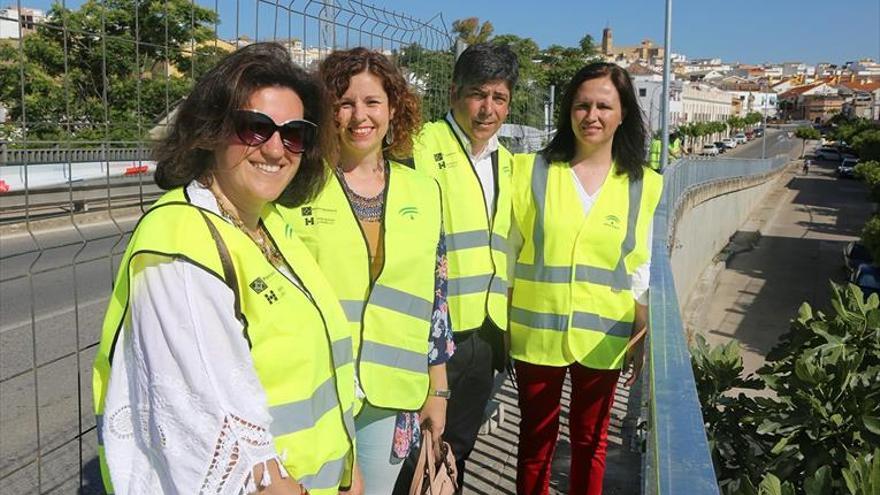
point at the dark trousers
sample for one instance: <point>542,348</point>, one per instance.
<point>470,375</point>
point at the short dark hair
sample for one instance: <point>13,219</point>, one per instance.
<point>203,121</point>
<point>484,62</point>
<point>628,148</point>
<point>340,66</point>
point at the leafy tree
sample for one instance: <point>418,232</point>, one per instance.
<point>588,46</point>
<point>530,94</point>
<point>870,173</point>
<point>806,133</point>
<point>430,73</point>
<point>84,76</point>
<point>471,31</point>
<point>817,432</point>
<point>867,144</point>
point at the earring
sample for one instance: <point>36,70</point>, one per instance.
<point>389,136</point>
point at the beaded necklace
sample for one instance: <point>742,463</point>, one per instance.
<point>366,209</point>
<point>259,236</point>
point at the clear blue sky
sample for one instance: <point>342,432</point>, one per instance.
<point>751,31</point>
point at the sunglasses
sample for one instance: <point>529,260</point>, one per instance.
<point>255,128</point>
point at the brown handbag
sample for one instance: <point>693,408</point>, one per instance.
<point>433,476</point>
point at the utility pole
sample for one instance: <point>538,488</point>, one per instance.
<point>667,65</point>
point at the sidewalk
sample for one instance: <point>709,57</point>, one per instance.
<point>809,220</point>
<point>492,465</point>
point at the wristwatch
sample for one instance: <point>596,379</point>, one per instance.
<point>446,394</point>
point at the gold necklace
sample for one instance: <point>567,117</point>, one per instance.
<point>259,237</point>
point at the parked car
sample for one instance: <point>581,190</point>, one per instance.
<point>729,142</point>
<point>721,147</point>
<point>759,132</point>
<point>855,254</point>
<point>846,169</point>
<point>710,150</point>
<point>740,138</point>
<point>867,277</point>
<point>827,153</point>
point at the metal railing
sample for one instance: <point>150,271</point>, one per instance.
<point>71,155</point>
<point>678,459</point>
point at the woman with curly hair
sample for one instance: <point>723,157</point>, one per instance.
<point>375,230</point>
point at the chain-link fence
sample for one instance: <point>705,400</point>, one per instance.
<point>83,89</point>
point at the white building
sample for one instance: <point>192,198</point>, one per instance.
<point>26,18</point>
<point>704,103</point>
<point>763,102</point>
<point>864,67</point>
<point>649,90</point>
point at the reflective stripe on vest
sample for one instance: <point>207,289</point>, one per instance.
<point>390,320</point>
<point>477,255</point>
<point>580,312</point>
<point>312,415</point>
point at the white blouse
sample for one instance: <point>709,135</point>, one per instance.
<point>184,412</point>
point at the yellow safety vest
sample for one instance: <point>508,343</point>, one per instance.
<point>654,154</point>
<point>476,248</point>
<point>390,319</point>
<point>572,296</point>
<point>675,147</point>
<point>299,342</point>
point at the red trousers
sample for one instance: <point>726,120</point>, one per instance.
<point>540,390</point>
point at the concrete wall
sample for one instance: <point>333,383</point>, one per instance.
<point>705,221</point>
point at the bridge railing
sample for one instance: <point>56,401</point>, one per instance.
<point>677,458</point>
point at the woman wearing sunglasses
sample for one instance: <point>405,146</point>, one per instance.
<point>225,362</point>
<point>375,230</point>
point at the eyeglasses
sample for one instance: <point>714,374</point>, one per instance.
<point>255,128</point>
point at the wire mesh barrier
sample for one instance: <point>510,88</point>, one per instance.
<point>677,458</point>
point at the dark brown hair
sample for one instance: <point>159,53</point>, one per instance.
<point>340,66</point>
<point>628,147</point>
<point>203,122</point>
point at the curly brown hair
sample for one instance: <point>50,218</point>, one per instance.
<point>339,67</point>
<point>203,122</point>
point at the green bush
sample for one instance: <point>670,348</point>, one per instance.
<point>871,236</point>
<point>817,432</point>
<point>867,144</point>
<point>870,173</point>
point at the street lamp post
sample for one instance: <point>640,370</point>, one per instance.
<point>667,65</point>
<point>764,121</point>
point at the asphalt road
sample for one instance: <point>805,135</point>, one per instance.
<point>54,284</point>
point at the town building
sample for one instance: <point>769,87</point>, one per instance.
<point>14,21</point>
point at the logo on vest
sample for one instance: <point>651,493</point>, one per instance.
<point>314,214</point>
<point>307,215</point>
<point>612,221</point>
<point>258,285</point>
<point>409,212</point>
<point>438,157</point>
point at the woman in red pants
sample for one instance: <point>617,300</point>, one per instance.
<point>583,208</point>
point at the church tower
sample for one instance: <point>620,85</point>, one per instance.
<point>607,42</point>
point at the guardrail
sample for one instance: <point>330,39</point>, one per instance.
<point>21,156</point>
<point>38,176</point>
<point>678,459</point>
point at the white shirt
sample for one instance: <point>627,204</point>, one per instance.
<point>482,163</point>
<point>184,412</point>
<point>641,278</point>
